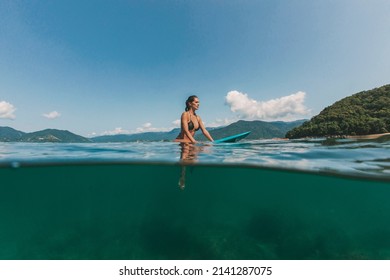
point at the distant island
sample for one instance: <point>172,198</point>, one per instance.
<point>260,130</point>
<point>364,113</point>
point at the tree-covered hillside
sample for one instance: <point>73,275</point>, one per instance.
<point>366,112</point>
<point>8,134</point>
<point>54,135</point>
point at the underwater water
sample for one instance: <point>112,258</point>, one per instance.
<point>250,200</point>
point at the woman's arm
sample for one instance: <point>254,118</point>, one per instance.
<point>204,130</point>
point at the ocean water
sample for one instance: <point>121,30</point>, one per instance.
<point>263,199</point>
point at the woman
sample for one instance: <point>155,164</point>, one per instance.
<point>191,122</point>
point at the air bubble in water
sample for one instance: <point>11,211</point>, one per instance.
<point>15,164</point>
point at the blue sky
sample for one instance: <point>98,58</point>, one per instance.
<point>101,67</point>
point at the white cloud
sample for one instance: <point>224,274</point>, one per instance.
<point>176,123</point>
<point>7,110</point>
<point>286,108</point>
<point>117,130</point>
<point>148,127</point>
<point>52,115</point>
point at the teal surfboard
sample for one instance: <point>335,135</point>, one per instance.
<point>233,138</point>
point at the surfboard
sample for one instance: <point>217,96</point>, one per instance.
<point>233,138</point>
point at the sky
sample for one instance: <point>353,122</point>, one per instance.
<point>120,66</point>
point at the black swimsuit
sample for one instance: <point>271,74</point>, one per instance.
<point>191,125</point>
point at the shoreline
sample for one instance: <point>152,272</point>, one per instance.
<point>368,136</point>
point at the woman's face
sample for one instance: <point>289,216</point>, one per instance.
<point>195,104</point>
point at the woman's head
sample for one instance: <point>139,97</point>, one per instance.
<point>190,100</point>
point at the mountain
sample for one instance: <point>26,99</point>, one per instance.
<point>260,130</point>
<point>8,134</point>
<point>366,112</point>
<point>54,135</point>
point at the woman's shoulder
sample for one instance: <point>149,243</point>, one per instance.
<point>185,115</point>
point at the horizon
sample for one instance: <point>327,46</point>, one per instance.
<point>162,131</point>
<point>127,67</point>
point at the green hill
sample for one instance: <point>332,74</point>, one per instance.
<point>366,112</point>
<point>54,135</point>
<point>259,129</point>
<point>8,134</point>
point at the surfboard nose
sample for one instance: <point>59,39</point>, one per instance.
<point>233,138</point>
